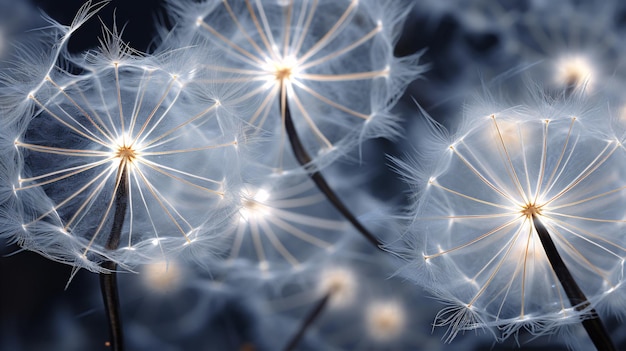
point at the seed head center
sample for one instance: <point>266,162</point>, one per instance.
<point>126,153</point>
<point>283,73</point>
<point>252,205</point>
<point>530,210</point>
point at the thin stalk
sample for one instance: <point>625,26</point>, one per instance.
<point>108,281</point>
<point>304,159</point>
<point>308,321</point>
<point>108,287</point>
<point>593,325</point>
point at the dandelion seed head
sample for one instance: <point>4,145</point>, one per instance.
<point>325,57</point>
<point>162,277</point>
<point>340,283</point>
<point>173,149</point>
<point>264,266</point>
<point>281,220</point>
<point>575,71</point>
<point>385,320</point>
<point>475,224</point>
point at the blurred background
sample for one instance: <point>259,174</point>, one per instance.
<point>470,46</point>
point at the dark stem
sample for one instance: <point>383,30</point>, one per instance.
<point>108,281</point>
<point>593,325</point>
<point>304,159</point>
<point>108,287</point>
<point>308,321</point>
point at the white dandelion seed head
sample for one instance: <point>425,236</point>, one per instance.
<point>385,320</point>
<point>474,224</point>
<point>122,126</point>
<point>282,223</point>
<point>162,277</point>
<point>326,56</point>
<point>340,283</point>
<point>576,71</point>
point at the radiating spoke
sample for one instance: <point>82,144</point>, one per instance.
<point>245,55</point>
<point>242,30</point>
<point>589,170</point>
<point>493,204</point>
<point>162,171</point>
<point>189,150</point>
<point>66,124</point>
<point>344,76</point>
<point>553,176</point>
<point>475,240</point>
<point>592,238</point>
<point>164,204</point>
<point>66,173</point>
<point>305,27</point>
<point>330,102</point>
<point>269,233</point>
<point>482,177</point>
<point>511,168</point>
<point>496,270</point>
<point>105,215</point>
<point>300,234</point>
<point>153,142</point>
<point>344,50</point>
<point>84,113</point>
<point>330,34</point>
<point>321,137</point>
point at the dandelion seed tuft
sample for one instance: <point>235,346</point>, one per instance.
<point>473,226</point>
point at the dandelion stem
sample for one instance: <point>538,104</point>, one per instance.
<point>304,159</point>
<point>308,321</point>
<point>108,287</point>
<point>593,325</point>
<point>108,281</point>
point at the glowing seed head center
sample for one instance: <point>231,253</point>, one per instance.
<point>283,73</point>
<point>284,69</point>
<point>576,71</point>
<point>253,204</point>
<point>531,209</point>
<point>385,320</point>
<point>126,153</point>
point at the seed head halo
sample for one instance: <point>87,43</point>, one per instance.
<point>123,122</point>
<point>331,60</point>
<point>473,236</point>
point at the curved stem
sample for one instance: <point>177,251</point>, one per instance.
<point>308,321</point>
<point>108,281</point>
<point>593,326</point>
<point>304,159</point>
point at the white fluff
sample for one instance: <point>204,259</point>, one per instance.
<point>472,241</point>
